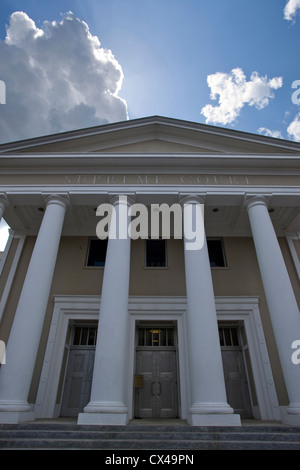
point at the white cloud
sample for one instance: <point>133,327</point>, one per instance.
<point>290,9</point>
<point>269,133</point>
<point>57,78</point>
<point>234,91</point>
<point>294,128</point>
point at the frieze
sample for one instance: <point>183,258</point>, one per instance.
<point>158,179</point>
<point>89,179</point>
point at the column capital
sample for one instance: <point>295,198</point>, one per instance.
<point>191,199</point>
<point>122,199</point>
<point>62,200</point>
<point>255,200</point>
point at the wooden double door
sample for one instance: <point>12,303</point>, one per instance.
<point>157,393</point>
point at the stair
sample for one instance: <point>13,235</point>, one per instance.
<point>69,436</point>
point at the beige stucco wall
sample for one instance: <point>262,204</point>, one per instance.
<point>71,277</point>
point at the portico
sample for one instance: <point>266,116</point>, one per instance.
<point>57,205</point>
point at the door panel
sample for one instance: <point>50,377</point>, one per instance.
<point>145,365</point>
<point>166,373</point>
<point>78,381</point>
<point>157,398</point>
<point>236,382</point>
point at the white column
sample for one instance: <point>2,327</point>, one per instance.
<point>209,405</point>
<point>23,342</point>
<point>283,308</point>
<point>108,395</point>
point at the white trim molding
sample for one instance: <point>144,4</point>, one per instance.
<point>290,237</point>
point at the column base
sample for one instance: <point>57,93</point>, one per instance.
<point>292,415</point>
<point>213,414</point>
<point>15,412</point>
<point>15,417</point>
<point>104,414</point>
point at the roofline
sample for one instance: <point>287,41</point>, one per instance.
<point>144,121</point>
<point>92,163</point>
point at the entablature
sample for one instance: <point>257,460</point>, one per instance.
<point>224,211</point>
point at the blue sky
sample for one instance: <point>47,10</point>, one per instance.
<point>168,57</point>
<point>168,48</point>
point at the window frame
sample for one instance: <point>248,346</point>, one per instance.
<point>221,240</point>
<point>166,254</point>
<point>86,265</point>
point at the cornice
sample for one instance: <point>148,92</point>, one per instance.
<point>150,163</point>
<point>133,125</point>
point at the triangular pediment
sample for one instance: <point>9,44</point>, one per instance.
<point>154,135</point>
<point>155,146</point>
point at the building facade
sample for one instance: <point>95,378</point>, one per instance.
<point>107,330</point>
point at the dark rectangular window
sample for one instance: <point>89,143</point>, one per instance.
<point>228,336</point>
<point>216,252</point>
<point>97,252</point>
<point>156,253</point>
<point>156,337</point>
<point>85,336</point>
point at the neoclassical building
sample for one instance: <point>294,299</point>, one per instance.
<point>107,330</point>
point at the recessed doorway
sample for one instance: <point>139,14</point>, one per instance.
<point>235,371</point>
<point>79,374</point>
<point>155,380</point>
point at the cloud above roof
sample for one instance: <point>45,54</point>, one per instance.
<point>290,9</point>
<point>57,78</point>
<point>294,128</point>
<point>233,92</point>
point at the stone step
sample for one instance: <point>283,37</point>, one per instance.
<point>106,435</point>
<point>72,436</point>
